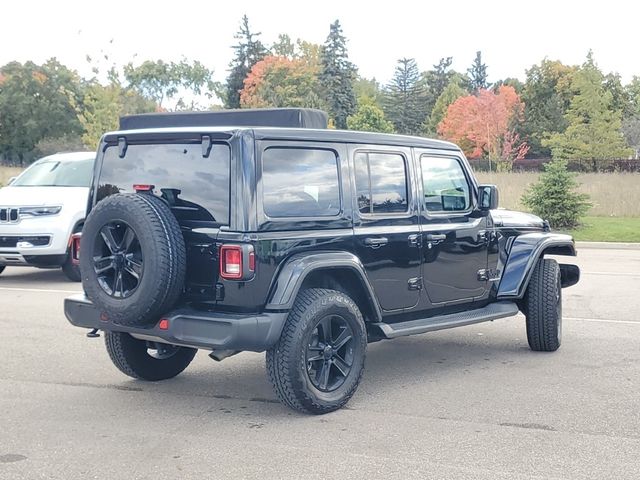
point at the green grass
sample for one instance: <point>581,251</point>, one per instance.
<point>608,229</point>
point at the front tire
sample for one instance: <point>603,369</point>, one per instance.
<point>318,362</point>
<point>543,307</point>
<point>145,360</point>
<point>70,270</point>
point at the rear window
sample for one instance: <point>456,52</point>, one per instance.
<point>300,182</point>
<point>381,182</point>
<point>195,187</point>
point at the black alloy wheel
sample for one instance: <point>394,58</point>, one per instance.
<point>329,354</point>
<point>117,259</point>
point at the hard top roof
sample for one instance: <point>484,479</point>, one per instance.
<point>294,134</point>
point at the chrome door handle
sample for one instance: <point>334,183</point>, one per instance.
<point>376,242</point>
<point>436,237</point>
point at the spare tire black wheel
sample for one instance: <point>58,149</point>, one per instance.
<point>132,258</point>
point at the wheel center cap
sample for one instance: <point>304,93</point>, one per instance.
<point>328,352</point>
<point>118,260</point>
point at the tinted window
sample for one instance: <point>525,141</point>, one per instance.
<point>445,187</point>
<point>300,182</point>
<point>381,182</point>
<point>54,173</point>
<point>195,187</point>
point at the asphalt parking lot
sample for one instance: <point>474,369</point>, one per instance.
<point>469,403</point>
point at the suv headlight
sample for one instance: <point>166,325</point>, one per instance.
<point>39,211</point>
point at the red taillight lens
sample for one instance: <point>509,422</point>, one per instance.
<point>252,261</point>
<point>163,324</point>
<point>75,248</point>
<point>231,261</point>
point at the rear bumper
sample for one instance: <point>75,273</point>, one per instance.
<point>190,327</point>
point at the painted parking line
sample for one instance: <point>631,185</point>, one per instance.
<point>37,290</point>
<point>615,274</point>
<point>601,320</point>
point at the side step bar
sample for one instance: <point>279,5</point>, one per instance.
<point>492,311</point>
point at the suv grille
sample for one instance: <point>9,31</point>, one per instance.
<point>9,215</point>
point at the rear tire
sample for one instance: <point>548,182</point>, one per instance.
<point>543,307</point>
<point>324,329</point>
<point>132,357</point>
<point>70,270</point>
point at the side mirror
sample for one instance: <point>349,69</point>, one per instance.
<point>11,180</point>
<point>488,197</point>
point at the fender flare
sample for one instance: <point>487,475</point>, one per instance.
<point>292,275</point>
<point>523,256</point>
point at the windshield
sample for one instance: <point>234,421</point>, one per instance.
<point>55,173</point>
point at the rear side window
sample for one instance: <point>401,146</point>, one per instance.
<point>300,182</point>
<point>381,182</point>
<point>446,188</point>
<point>195,187</point>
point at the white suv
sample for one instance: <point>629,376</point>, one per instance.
<point>42,208</point>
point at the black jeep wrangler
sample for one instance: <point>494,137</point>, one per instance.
<point>265,231</point>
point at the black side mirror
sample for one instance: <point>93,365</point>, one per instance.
<point>488,197</point>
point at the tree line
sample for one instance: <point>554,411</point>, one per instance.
<point>560,111</point>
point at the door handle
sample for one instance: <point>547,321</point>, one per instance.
<point>376,242</point>
<point>436,237</point>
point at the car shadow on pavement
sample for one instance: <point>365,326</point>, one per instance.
<point>34,277</point>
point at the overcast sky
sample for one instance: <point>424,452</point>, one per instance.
<point>512,35</point>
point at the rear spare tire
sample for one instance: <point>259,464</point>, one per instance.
<point>132,258</point>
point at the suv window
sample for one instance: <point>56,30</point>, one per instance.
<point>381,182</point>
<point>446,188</point>
<point>196,188</point>
<point>300,182</point>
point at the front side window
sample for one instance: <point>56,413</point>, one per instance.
<point>445,186</point>
<point>381,183</point>
<point>300,182</point>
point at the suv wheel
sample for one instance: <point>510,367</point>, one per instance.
<point>543,307</point>
<point>133,259</point>
<point>147,360</point>
<point>318,361</point>
<point>70,270</point>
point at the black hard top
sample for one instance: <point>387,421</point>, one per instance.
<point>265,117</point>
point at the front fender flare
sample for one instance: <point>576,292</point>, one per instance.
<point>524,253</point>
<point>298,267</point>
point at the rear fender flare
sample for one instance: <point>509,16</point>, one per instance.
<point>298,267</point>
<point>523,256</point>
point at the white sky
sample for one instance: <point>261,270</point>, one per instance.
<point>512,35</point>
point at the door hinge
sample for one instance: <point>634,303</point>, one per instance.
<point>415,283</point>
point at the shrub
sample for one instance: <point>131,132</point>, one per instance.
<point>554,196</point>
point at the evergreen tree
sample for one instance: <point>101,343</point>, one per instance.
<point>404,98</point>
<point>450,94</point>
<point>554,196</point>
<point>594,128</point>
<point>337,76</point>
<point>248,52</point>
<point>478,74</point>
<point>440,76</point>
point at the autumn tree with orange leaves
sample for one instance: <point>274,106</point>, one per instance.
<point>484,125</point>
<point>278,81</point>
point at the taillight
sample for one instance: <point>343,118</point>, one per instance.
<point>237,262</point>
<point>75,248</point>
<point>231,262</point>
